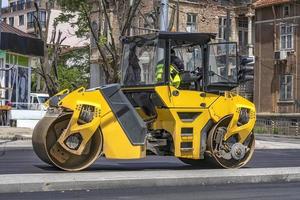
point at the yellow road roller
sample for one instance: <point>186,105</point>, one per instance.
<point>176,98</point>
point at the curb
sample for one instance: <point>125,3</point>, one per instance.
<point>15,137</point>
<point>104,180</point>
<point>278,136</point>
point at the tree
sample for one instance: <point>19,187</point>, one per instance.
<point>49,63</point>
<point>117,15</point>
<point>73,69</point>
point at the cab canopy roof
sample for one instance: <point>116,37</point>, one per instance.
<point>177,38</point>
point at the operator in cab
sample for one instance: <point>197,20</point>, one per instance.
<point>176,66</point>
<point>177,74</point>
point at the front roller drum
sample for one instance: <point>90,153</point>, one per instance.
<point>46,147</point>
<point>230,153</point>
<point>225,154</point>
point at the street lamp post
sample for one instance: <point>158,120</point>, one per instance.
<point>164,19</point>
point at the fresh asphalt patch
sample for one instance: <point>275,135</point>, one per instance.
<point>24,161</point>
<point>22,171</point>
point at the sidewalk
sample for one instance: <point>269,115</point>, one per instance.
<point>131,179</point>
<point>276,142</point>
<point>13,133</point>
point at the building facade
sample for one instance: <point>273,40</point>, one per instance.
<point>15,69</point>
<point>277,72</point>
<point>21,14</point>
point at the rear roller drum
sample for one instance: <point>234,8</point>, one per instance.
<point>45,145</point>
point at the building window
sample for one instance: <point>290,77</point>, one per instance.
<point>30,20</point>
<point>222,27</point>
<point>11,21</point>
<point>243,35</point>
<point>42,18</point>
<point>13,6</point>
<point>21,20</point>
<point>286,37</point>
<point>286,10</point>
<point>286,87</point>
<point>21,4</point>
<point>191,22</point>
<point>4,20</point>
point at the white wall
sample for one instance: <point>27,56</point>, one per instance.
<point>27,118</point>
<point>27,114</point>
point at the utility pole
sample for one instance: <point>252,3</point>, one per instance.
<point>227,37</point>
<point>228,25</point>
<point>0,20</point>
<point>177,16</point>
<point>164,18</point>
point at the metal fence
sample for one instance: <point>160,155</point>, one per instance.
<point>277,126</point>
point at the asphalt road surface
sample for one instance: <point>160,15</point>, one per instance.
<point>14,161</point>
<point>266,191</point>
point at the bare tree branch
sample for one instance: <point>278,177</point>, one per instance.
<point>110,28</point>
<point>172,19</point>
<point>101,51</point>
<point>131,14</point>
<point>145,18</point>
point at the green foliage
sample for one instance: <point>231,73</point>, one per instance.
<point>69,8</point>
<point>102,40</point>
<point>110,50</point>
<point>73,70</point>
<point>260,130</point>
<point>73,67</point>
<point>72,5</point>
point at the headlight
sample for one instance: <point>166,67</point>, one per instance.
<point>86,114</point>
<point>244,116</point>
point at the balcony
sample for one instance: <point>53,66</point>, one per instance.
<point>6,10</point>
<point>32,24</point>
<point>23,6</point>
<point>29,4</point>
<point>243,2</point>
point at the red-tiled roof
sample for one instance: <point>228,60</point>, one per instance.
<point>265,3</point>
<point>9,29</point>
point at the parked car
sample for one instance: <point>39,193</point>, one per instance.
<point>37,101</point>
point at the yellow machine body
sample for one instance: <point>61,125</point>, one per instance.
<point>116,145</point>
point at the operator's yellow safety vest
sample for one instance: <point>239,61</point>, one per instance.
<point>174,75</point>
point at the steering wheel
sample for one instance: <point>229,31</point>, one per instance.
<point>197,72</point>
